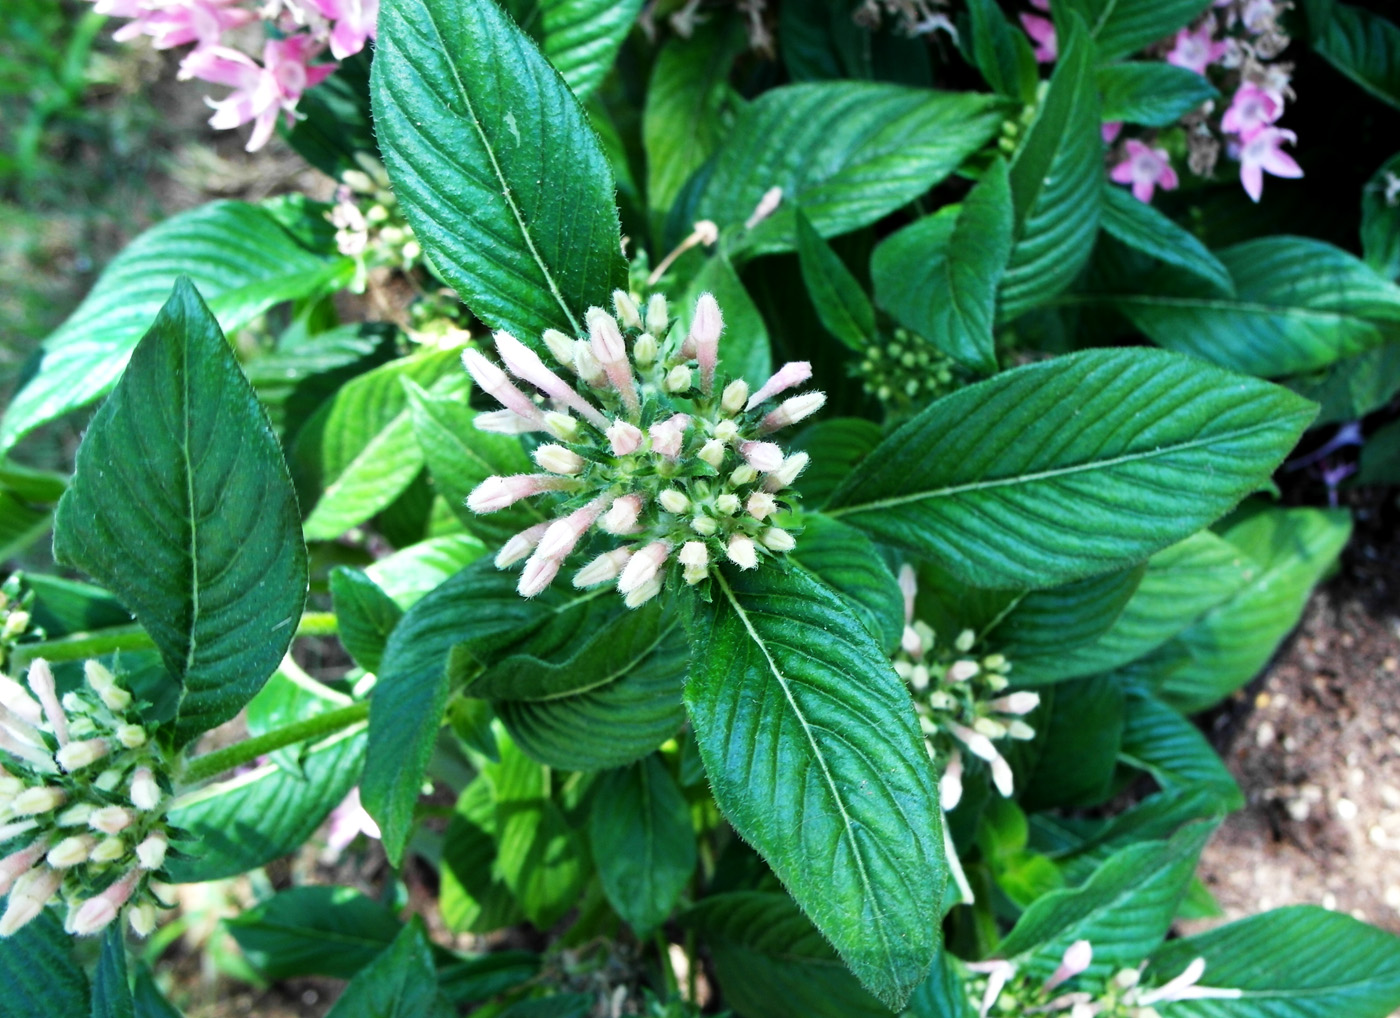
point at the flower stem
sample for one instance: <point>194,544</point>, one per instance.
<point>201,768</point>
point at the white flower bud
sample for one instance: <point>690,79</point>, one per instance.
<point>1018,729</point>
<point>735,395</point>
<point>1016,703</point>
<point>741,552</point>
<point>621,517</point>
<point>919,677</point>
<point>603,569</point>
<point>561,426</point>
<point>761,505</point>
<point>70,851</point>
<point>763,456</point>
<point>151,852</point>
<point>145,792</point>
<point>644,350</point>
<point>728,503</point>
<point>657,315</point>
<point>712,452</point>
<point>77,755</point>
<point>965,640</point>
<point>644,566</point>
<point>963,670</point>
<point>36,801</point>
<point>131,736</point>
<point>777,539</point>
<point>996,663</point>
<point>587,365</point>
<point>694,553</point>
<point>705,526</point>
<point>561,346</point>
<point>75,816</point>
<point>109,850</point>
<point>742,475</point>
<point>726,431</point>
<point>627,311</point>
<point>673,501</point>
<point>28,897</point>
<point>520,545</point>
<point>783,477</point>
<point>678,379</point>
<point>411,250</point>
<point>792,410</point>
<point>559,460</point>
<point>639,596</point>
<point>110,819</point>
<point>990,728</point>
<point>142,918</point>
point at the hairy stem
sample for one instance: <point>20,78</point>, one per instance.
<point>201,768</point>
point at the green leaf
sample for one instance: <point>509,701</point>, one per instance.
<point>640,831</point>
<point>111,996</point>
<point>1181,584</point>
<point>537,854</point>
<point>1056,181</point>
<point>221,247</point>
<point>305,931</point>
<point>580,37</point>
<point>1290,550</point>
<point>1380,457</point>
<point>1141,227</point>
<point>265,813</point>
<point>409,574</point>
<point>1124,909</point>
<point>1079,734</point>
<point>1045,624</point>
<point>846,561</point>
<point>39,974</point>
<point>495,166</point>
<point>474,897</point>
<point>1070,467</point>
<point>460,457</point>
<point>198,534</point>
<point>942,995</point>
<point>149,1001</point>
<point>1361,44</point>
<point>400,983</point>
<point>1299,305</point>
<point>1122,27</point>
<point>826,776</point>
<point>365,616</point>
<point>21,524</point>
<point>845,152</point>
<point>333,120</point>
<point>688,109</point>
<point>359,451</point>
<point>1151,94</point>
<point>836,445</point>
<point>840,301</point>
<point>772,963</point>
<point>747,351</point>
<point>1380,219</point>
<point>956,258</point>
<point>1352,387</point>
<point>1001,52</point>
<point>1351,970</point>
<point>1160,741</point>
<point>559,1005</point>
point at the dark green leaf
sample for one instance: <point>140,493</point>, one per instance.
<point>1045,624</point>
<point>21,524</point>
<point>150,1002</point>
<point>1001,52</point>
<point>1380,458</point>
<point>221,246</point>
<point>466,980</point>
<point>941,995</point>
<point>306,931</point>
<point>333,120</point>
<point>1056,181</point>
<point>840,301</point>
<point>845,152</point>
<point>111,995</point>
<point>845,560</point>
<point>1352,387</point>
<point>1160,741</point>
<point>199,534</point>
<point>1152,94</point>
<point>1361,44</point>
<point>836,446</point>
<point>495,165</point>
<point>365,616</point>
<point>1122,27</point>
<point>581,37</point>
<point>1071,467</point>
<point>474,897</point>
<point>939,276</point>
<point>772,963</point>
<point>39,974</point>
<point>1351,970</point>
<point>560,1005</point>
<point>643,842</point>
<point>826,776</point>
<point>1141,227</point>
<point>747,352</point>
<point>1078,739</point>
<point>400,983</point>
<point>1380,219</point>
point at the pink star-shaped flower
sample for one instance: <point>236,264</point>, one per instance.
<point>1251,110</point>
<point>260,93</point>
<point>1145,169</point>
<point>1042,33</point>
<point>1261,154</point>
<point>1196,50</point>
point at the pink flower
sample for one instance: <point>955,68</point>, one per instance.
<point>354,23</point>
<point>1042,33</point>
<point>1110,130</point>
<point>790,374</point>
<point>1250,112</point>
<point>178,23</point>
<point>1261,154</point>
<point>260,93</point>
<point>1196,50</point>
<point>1146,169</point>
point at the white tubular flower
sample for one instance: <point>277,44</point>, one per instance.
<point>655,461</point>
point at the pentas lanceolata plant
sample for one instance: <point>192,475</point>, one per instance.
<point>818,640</point>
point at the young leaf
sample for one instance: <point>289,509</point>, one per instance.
<point>1380,219</point>
<point>495,166</point>
<point>1122,27</point>
<point>221,246</point>
<point>771,962</point>
<point>474,897</point>
<point>640,831</point>
<point>840,301</point>
<point>400,983</point>
<point>1349,968</point>
<point>39,973</point>
<point>845,152</point>
<point>359,450</point>
<point>939,276</point>
<point>1299,305</point>
<point>1160,741</point>
<point>849,822</point>
<point>1071,467</point>
<point>580,37</point>
<point>365,615</point>
<point>1290,550</point>
<point>1361,44</point>
<point>111,995</point>
<point>306,931</point>
<point>199,533</point>
<point>1056,180</point>
<point>1152,94</point>
<point>1141,227</point>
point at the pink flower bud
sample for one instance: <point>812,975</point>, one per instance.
<point>603,569</point>
<point>641,595</point>
<point>31,892</point>
<point>504,422</point>
<point>563,534</point>
<point>643,566</point>
<point>97,913</point>
<point>790,374</point>
<point>1077,959</point>
<point>41,681</point>
<point>20,703</point>
<point>1016,703</point>
<point>792,410</point>
<point>621,517</point>
<point>624,438</point>
<point>494,382</point>
<point>980,745</point>
<point>950,784</point>
<point>21,729</point>
<point>520,545</point>
<point>762,456</point>
<point>767,205</point>
<point>787,473</point>
<point>525,364</point>
<point>742,552</point>
<point>608,346</point>
<point>668,437</point>
<point>496,493</point>
<point>538,574</point>
<point>17,864</point>
<point>704,336</point>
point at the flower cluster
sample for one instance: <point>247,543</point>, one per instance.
<point>905,373</point>
<point>369,225</point>
<point>962,700</point>
<point>652,445</point>
<point>16,623</point>
<point>1002,987</point>
<point>298,33</point>
<point>82,809</point>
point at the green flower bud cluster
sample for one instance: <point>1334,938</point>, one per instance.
<point>16,620</point>
<point>83,800</point>
<point>369,225</point>
<point>1013,131</point>
<point>906,373</point>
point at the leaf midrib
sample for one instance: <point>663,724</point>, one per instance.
<point>1043,475</point>
<point>846,822</point>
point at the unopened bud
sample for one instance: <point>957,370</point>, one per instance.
<point>705,526</point>
<point>728,503</point>
<point>109,850</point>
<point>644,350</point>
<point>75,816</point>
<point>726,431</point>
<point>787,473</point>
<point>70,851</point>
<point>657,315</point>
<point>767,205</point>
<point>694,553</point>
<point>17,864</point>
<point>742,475</point>
<point>763,456</point>
<point>673,501</point>
<point>963,670</point>
<point>742,552</point>
<point>603,569</point>
<point>919,677</point>
<point>97,913</point>
<point>678,379</point>
<point>559,460</point>
<point>624,438</point>
<point>30,894</point>
<point>587,365</point>
<point>761,505</point>
<point>777,539</point>
<point>142,918</point>
<point>110,819</point>
<point>627,311</point>
<point>561,426</point>
<point>131,736</point>
<point>1018,729</point>
<point>36,801</point>
<point>990,728</point>
<point>145,792</point>
<point>1016,703</point>
<point>520,545</point>
<point>712,452</point>
<point>735,395</point>
<point>561,346</point>
<point>151,852</point>
<point>641,595</point>
<point>15,624</point>
<point>643,566</point>
<point>77,755</point>
<point>965,640</point>
<point>792,410</point>
<point>621,517</point>
<point>996,663</point>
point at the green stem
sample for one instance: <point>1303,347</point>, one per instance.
<point>318,624</point>
<point>201,768</point>
<point>663,950</point>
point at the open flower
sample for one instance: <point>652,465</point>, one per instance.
<point>261,93</point>
<point>652,445</point>
<point>1251,110</point>
<point>175,22</point>
<point>1263,154</point>
<point>1145,169</point>
<point>1197,49</point>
